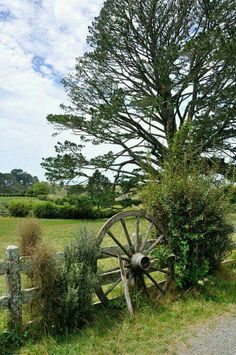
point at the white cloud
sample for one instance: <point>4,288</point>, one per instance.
<point>39,41</point>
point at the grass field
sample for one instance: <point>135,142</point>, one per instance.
<point>155,328</point>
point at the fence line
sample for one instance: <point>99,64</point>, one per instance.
<point>16,297</point>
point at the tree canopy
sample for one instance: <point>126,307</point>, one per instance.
<point>100,190</point>
<point>153,66</point>
<point>17,181</point>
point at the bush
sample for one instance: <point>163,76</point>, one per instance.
<point>192,212</point>
<point>51,210</point>
<point>44,276</point>
<point>231,191</point>
<point>39,188</point>
<point>77,282</point>
<point>19,208</point>
<point>45,210</point>
<point>30,234</point>
<point>64,300</point>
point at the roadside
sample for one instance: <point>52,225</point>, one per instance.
<point>216,337</point>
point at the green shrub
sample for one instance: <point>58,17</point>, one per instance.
<point>46,210</point>
<point>19,208</point>
<point>77,282</point>
<point>66,211</point>
<point>231,191</point>
<point>65,295</point>
<point>192,212</point>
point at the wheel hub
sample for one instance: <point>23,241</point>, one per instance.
<point>140,261</point>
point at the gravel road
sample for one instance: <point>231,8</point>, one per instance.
<point>216,338</point>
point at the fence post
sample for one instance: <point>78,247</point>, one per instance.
<point>13,280</point>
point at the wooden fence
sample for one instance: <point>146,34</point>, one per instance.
<point>15,265</point>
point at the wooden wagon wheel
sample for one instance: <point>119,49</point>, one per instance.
<point>134,248</point>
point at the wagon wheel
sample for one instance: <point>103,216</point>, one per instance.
<point>132,236</point>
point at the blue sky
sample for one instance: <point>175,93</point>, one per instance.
<point>39,41</point>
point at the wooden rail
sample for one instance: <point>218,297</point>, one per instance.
<point>15,265</point>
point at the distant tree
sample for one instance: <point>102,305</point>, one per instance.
<point>153,66</point>
<point>100,189</point>
<point>40,188</point>
<point>23,178</point>
<point>75,189</point>
<point>16,182</point>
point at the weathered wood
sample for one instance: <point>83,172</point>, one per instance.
<point>146,237</point>
<point>3,267</point>
<point>229,262</point>
<point>110,277</point>
<point>4,300</point>
<point>123,215</point>
<point>114,249</point>
<point>125,250</point>
<point>28,294</point>
<point>25,264</point>
<point>131,247</point>
<point>154,244</point>
<point>13,278</point>
<point>125,286</point>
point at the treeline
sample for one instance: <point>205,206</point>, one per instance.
<point>17,182</point>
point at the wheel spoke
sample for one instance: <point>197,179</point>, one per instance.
<point>115,256</point>
<point>138,232</point>
<point>111,270</point>
<point>146,237</point>
<point>113,286</point>
<point>118,243</point>
<point>143,284</point>
<point>127,234</point>
<point>154,268</point>
<point>136,235</point>
<point>154,281</point>
<point>154,244</point>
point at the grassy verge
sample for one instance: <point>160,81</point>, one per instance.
<point>156,328</point>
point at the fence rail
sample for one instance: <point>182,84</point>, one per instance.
<point>15,265</point>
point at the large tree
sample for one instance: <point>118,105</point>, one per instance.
<point>153,66</point>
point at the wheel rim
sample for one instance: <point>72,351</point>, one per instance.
<point>135,245</point>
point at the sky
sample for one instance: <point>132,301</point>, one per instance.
<point>39,41</point>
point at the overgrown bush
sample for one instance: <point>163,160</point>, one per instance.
<point>192,211</point>
<point>44,276</point>
<point>19,208</point>
<point>30,233</point>
<point>64,300</point>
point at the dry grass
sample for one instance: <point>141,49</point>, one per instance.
<point>30,233</point>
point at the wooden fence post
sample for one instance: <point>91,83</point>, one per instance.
<point>13,278</point>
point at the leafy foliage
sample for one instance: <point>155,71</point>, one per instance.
<point>16,182</point>
<point>101,190</point>
<point>152,67</point>
<point>39,188</point>
<point>19,208</point>
<point>64,301</point>
<point>192,211</point>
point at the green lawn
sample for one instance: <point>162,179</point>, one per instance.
<point>155,329</point>
<point>57,232</point>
